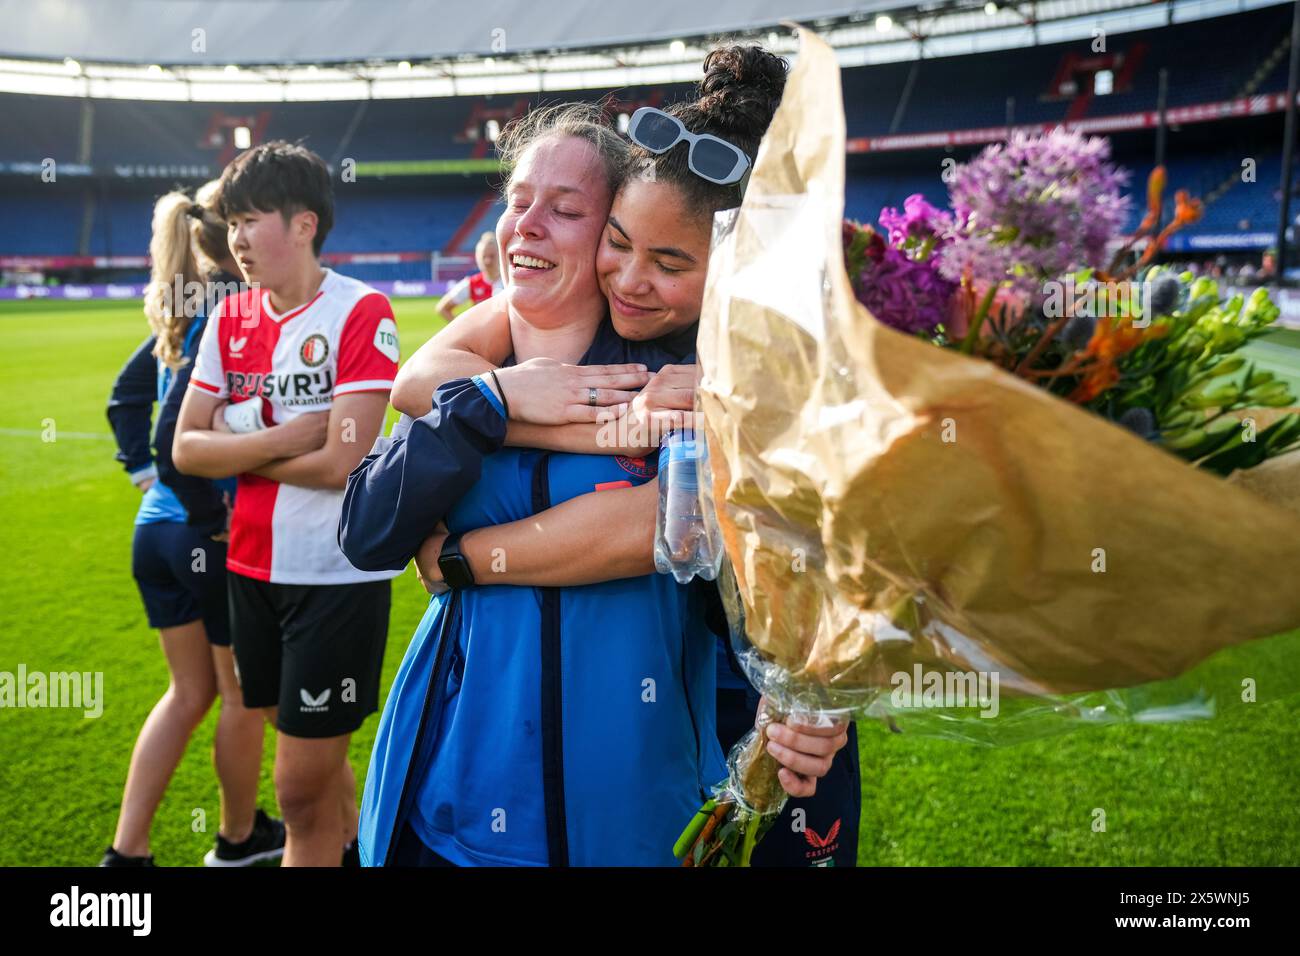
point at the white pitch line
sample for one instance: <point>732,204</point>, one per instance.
<point>40,432</point>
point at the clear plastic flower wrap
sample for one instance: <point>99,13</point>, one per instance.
<point>918,536</point>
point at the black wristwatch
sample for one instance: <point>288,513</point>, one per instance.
<point>455,568</point>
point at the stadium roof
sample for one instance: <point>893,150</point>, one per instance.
<point>317,50</point>
<point>307,31</point>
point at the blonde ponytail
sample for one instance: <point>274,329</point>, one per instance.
<point>174,266</point>
<point>209,229</point>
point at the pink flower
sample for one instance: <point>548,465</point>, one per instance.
<point>918,222</point>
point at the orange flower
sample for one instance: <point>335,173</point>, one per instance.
<point>1096,380</point>
<point>1186,209</point>
<point>1111,341</point>
<point>1155,195</point>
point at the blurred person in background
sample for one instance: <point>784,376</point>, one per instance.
<point>481,285</point>
<point>1267,267</point>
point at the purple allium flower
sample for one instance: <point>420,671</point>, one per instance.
<point>917,222</point>
<point>1034,208</point>
<point>909,295</point>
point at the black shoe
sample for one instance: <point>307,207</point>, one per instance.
<point>266,842</point>
<point>113,858</point>
<point>351,855</point>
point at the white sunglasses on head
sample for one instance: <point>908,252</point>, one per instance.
<point>710,157</point>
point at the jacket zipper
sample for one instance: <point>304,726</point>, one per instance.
<point>436,679</point>
<point>552,696</point>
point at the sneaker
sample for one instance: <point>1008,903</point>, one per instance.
<point>266,842</point>
<point>113,858</point>
<point>351,856</point>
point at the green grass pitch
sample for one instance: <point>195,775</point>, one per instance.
<point>1219,792</point>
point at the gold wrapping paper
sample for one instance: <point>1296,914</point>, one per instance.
<point>885,502</point>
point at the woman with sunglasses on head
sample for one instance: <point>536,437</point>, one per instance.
<point>659,228</point>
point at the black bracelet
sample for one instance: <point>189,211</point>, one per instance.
<point>500,391</point>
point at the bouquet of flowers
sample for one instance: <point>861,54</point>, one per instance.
<point>1152,351</point>
<point>950,457</point>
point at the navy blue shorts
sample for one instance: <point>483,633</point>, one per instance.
<point>411,851</point>
<point>821,830</point>
<point>181,575</point>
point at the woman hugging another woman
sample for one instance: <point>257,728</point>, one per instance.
<point>561,703</point>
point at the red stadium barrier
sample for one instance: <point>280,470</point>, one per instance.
<point>1147,119</point>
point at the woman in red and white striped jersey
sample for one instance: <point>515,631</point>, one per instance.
<point>480,286</point>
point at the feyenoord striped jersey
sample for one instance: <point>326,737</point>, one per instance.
<point>344,340</point>
<point>473,288</point>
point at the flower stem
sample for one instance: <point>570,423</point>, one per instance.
<point>751,841</point>
<point>1043,340</point>
<point>973,333</point>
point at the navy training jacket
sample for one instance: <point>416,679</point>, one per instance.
<point>530,726</point>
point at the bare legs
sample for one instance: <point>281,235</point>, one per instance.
<point>236,752</point>
<point>198,672</point>
<point>317,793</point>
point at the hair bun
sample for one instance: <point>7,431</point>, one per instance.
<point>735,102</point>
<point>742,88</point>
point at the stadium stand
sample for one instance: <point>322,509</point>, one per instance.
<point>138,149</point>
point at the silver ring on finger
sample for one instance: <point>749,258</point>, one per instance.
<point>591,396</point>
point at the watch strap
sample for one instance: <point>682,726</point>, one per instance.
<point>453,564</point>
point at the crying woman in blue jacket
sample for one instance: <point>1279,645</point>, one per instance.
<point>556,705</point>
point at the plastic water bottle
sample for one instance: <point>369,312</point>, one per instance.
<point>685,544</point>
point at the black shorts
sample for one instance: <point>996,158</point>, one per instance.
<point>825,833</point>
<point>315,651</point>
<point>181,575</point>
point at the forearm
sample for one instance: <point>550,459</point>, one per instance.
<point>130,425</point>
<point>599,536</point>
<point>210,454</point>
<point>425,373</point>
<point>579,438</point>
<point>477,341</point>
<point>316,469</point>
<point>130,407</point>
<point>355,420</point>
<point>400,492</point>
